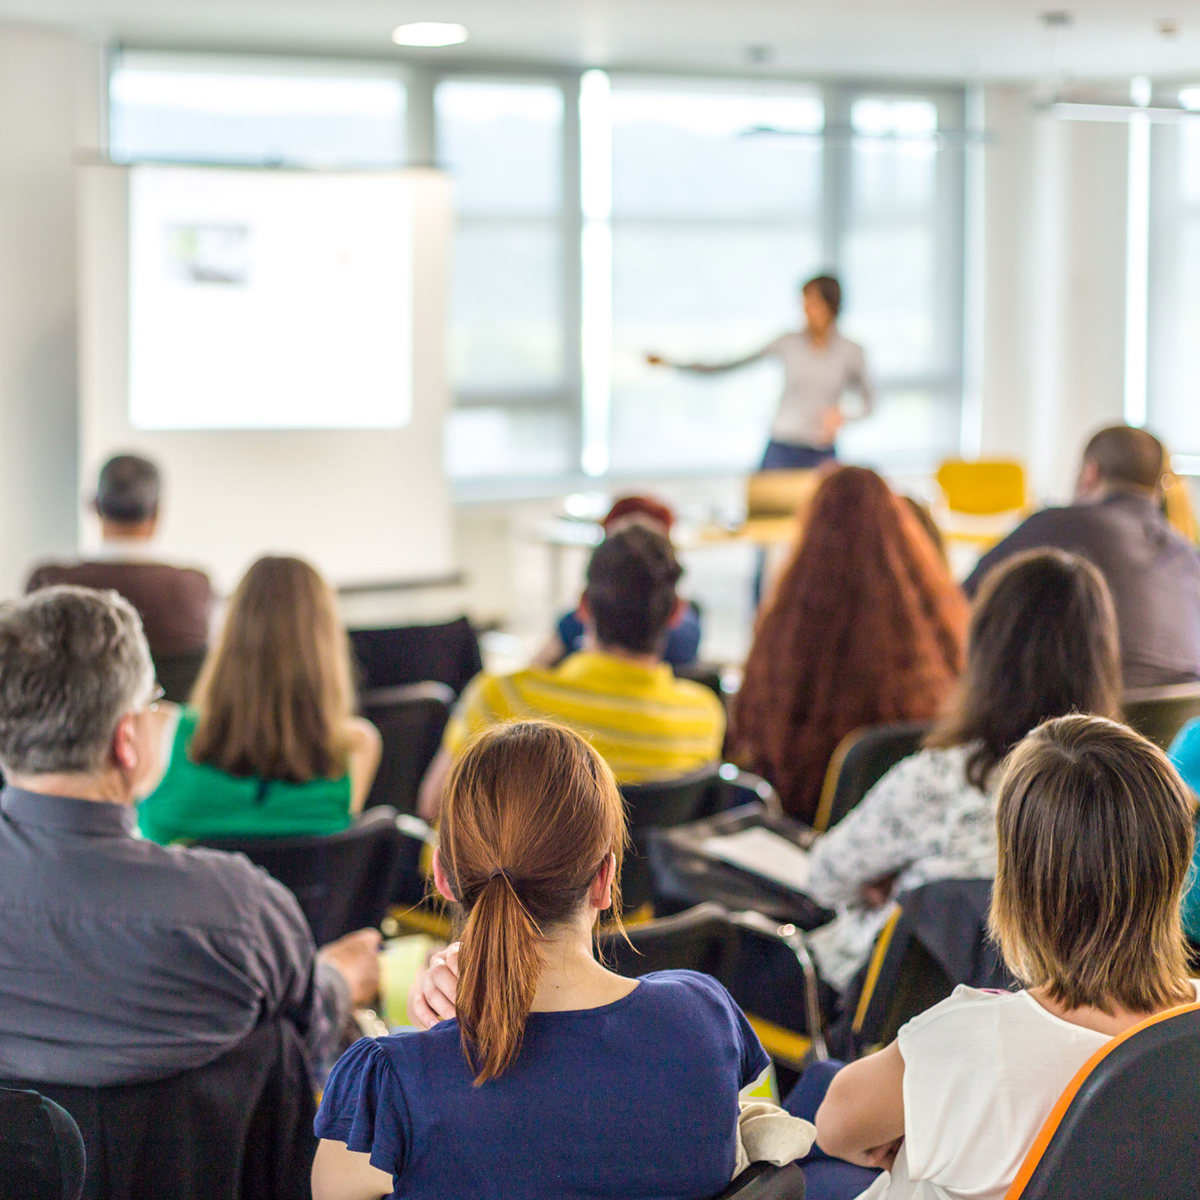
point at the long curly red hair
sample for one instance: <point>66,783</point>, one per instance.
<point>865,625</point>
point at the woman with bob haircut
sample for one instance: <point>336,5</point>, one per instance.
<point>550,1052</point>
<point>864,625</point>
<point>1042,643</point>
<point>1095,836</point>
<point>270,745</point>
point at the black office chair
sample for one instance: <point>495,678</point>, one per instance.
<point>763,1181</point>
<point>1160,713</point>
<point>661,805</point>
<point>239,1128</point>
<point>447,653</point>
<point>410,719</point>
<point>1128,1125</point>
<point>41,1149</point>
<point>343,881</point>
<point>700,939</point>
<point>860,761</point>
<point>710,675</point>
<point>177,675</point>
<point>936,938</point>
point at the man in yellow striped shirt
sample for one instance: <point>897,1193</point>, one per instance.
<point>617,691</point>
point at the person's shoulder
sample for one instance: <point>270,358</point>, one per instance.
<point>229,889</point>
<point>966,1009</point>
<point>694,695</point>
<point>683,989</point>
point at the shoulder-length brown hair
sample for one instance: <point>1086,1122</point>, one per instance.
<point>276,692</point>
<point>1042,643</point>
<point>864,626</point>
<point>1094,831</point>
<point>530,815</point>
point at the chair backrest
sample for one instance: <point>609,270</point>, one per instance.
<point>764,1181</point>
<point>41,1149</point>
<point>177,675</point>
<point>935,939</point>
<point>410,720</point>
<point>983,486</point>
<point>344,881</point>
<point>447,653</point>
<point>661,805</point>
<point>1129,1122</point>
<point>699,939</point>
<point>708,674</point>
<point>861,759</point>
<point>1160,713</point>
<point>239,1128</point>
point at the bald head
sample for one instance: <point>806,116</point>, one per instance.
<point>1122,458</point>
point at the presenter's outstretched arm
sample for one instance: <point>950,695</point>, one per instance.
<point>657,360</point>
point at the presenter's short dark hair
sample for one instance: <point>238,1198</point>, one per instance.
<point>828,288</point>
<point>631,589</point>
<point>1125,455</point>
<point>128,490</point>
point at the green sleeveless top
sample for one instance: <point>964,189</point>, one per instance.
<point>194,801</point>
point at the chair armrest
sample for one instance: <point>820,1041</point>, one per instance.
<point>413,827</point>
<point>754,787</point>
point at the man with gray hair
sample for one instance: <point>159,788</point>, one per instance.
<point>124,960</point>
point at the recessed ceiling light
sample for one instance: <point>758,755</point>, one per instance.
<point>429,33</point>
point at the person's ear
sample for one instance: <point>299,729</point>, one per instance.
<point>440,881</point>
<point>678,612</point>
<point>124,748</point>
<point>600,894</point>
<point>583,610</point>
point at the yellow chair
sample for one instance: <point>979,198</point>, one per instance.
<point>1177,503</point>
<point>981,500</point>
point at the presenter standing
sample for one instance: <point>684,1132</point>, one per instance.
<point>820,366</point>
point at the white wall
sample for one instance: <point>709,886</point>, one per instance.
<point>49,106</point>
<point>1053,294</point>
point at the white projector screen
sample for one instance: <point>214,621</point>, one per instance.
<point>301,413</point>
<point>268,300</point>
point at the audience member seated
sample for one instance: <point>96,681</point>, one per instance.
<point>175,603</point>
<point>646,723</point>
<point>558,1077</point>
<point>1095,837</point>
<point>864,625</point>
<point>1042,643</point>
<point>683,639</point>
<point>1185,754</point>
<point>270,746</point>
<point>1117,523</point>
<point>123,960</point>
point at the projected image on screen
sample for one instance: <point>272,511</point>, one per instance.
<point>263,300</point>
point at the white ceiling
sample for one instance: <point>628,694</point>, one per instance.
<point>951,39</point>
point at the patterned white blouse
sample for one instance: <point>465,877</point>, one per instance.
<point>922,821</point>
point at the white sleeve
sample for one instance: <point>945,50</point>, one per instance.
<point>887,831</point>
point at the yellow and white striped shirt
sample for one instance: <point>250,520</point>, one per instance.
<point>644,722</point>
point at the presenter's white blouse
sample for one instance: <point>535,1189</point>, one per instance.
<point>982,1070</point>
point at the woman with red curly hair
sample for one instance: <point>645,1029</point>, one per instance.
<point>864,625</point>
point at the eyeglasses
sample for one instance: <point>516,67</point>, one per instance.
<point>158,694</point>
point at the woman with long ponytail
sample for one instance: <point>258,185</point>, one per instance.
<point>551,1056</point>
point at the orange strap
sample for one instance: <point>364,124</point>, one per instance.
<point>1051,1124</point>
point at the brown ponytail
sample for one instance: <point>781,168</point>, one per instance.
<point>530,815</point>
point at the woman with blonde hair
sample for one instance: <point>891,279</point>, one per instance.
<point>865,625</point>
<point>270,745</point>
<point>1095,834</point>
<point>551,1055</point>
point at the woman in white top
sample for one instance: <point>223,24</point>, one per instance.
<point>1042,643</point>
<point>1095,834</point>
<point>819,366</point>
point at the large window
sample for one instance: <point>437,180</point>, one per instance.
<point>1173,398</point>
<point>600,217</point>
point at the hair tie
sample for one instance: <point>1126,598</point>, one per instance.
<point>502,872</point>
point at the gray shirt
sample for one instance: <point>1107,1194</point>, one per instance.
<point>814,380</point>
<point>122,960</point>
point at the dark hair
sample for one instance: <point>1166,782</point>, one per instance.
<point>828,288</point>
<point>1094,831</point>
<point>129,489</point>
<point>530,815</point>
<point>1042,643</point>
<point>865,625</point>
<point>1125,455</point>
<point>631,589</point>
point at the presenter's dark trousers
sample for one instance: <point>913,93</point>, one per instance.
<point>787,456</point>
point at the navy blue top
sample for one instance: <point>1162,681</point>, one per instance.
<point>636,1100</point>
<point>683,638</point>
